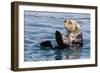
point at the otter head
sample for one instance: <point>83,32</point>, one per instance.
<point>71,25</point>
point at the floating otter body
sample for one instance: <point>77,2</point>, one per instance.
<point>72,38</point>
<point>74,34</point>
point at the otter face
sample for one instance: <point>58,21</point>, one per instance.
<point>71,25</point>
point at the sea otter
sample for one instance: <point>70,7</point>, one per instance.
<point>72,39</point>
<point>73,35</point>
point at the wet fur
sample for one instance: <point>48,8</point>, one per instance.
<point>73,35</point>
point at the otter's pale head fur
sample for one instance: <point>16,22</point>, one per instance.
<point>71,26</point>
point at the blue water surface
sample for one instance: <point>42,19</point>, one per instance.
<point>40,26</point>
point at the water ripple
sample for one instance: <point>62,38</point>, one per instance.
<point>41,26</point>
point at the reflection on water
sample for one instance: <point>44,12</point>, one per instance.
<point>41,26</point>
<point>74,53</point>
<point>69,53</point>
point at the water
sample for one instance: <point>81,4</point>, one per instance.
<point>41,26</point>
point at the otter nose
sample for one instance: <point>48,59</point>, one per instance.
<point>64,21</point>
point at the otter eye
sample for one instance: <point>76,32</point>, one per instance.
<point>76,27</point>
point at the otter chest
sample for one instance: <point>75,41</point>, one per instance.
<point>73,36</point>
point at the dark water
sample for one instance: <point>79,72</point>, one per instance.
<point>41,26</point>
